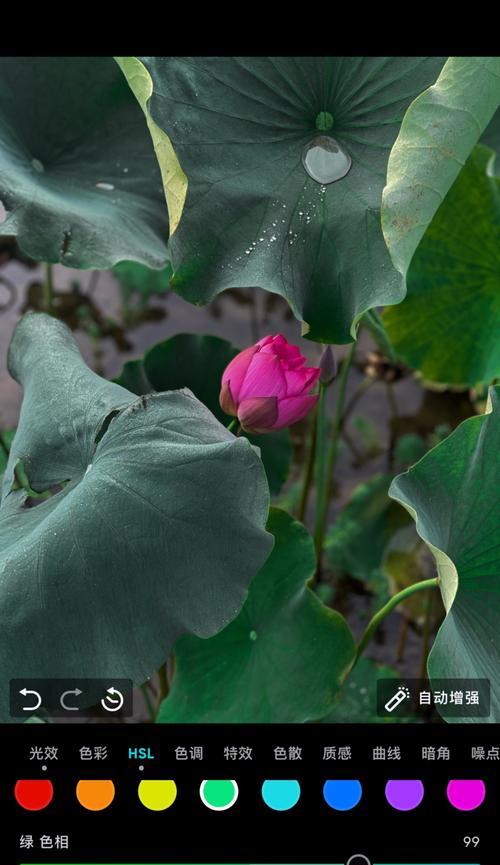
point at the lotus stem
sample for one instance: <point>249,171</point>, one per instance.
<point>325,479</point>
<point>149,702</point>
<point>388,608</point>
<point>48,289</point>
<point>308,476</point>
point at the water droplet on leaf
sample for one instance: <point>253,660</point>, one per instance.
<point>325,160</point>
<point>253,635</point>
<point>38,166</point>
<point>107,186</point>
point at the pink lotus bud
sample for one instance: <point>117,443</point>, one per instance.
<point>328,366</point>
<point>267,387</point>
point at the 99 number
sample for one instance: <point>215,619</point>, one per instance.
<point>471,841</point>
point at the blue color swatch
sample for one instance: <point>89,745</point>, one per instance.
<point>281,795</point>
<point>342,795</point>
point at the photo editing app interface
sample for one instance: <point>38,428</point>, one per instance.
<point>249,460</point>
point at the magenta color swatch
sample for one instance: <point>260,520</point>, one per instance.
<point>466,795</point>
<point>404,795</point>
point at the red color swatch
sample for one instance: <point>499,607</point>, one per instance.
<point>34,795</point>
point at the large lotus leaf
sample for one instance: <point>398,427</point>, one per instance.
<point>491,136</point>
<point>197,361</point>
<point>453,495</point>
<point>447,327</point>
<point>141,281</point>
<point>253,216</point>
<point>191,360</point>
<point>359,536</point>
<point>78,173</point>
<point>407,560</point>
<point>158,530</point>
<point>282,660</point>
<point>174,179</point>
<point>437,135</point>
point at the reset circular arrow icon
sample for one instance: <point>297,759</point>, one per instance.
<point>113,701</point>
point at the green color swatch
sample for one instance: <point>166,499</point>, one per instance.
<point>219,795</point>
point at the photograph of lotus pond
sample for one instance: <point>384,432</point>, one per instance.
<point>250,383</point>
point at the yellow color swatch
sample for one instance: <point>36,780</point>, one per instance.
<point>95,795</point>
<point>157,795</point>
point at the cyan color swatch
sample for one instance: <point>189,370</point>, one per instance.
<point>281,795</point>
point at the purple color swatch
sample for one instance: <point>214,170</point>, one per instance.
<point>466,795</point>
<point>404,795</point>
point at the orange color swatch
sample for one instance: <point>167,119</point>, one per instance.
<point>95,795</point>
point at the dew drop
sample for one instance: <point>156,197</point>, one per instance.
<point>325,160</point>
<point>38,166</point>
<point>107,186</point>
<point>253,635</point>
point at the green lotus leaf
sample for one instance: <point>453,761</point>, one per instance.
<point>282,660</point>
<point>359,536</point>
<point>452,494</point>
<point>137,279</point>
<point>409,448</point>
<point>407,560</point>
<point>79,178</point>
<point>437,135</point>
<point>174,179</point>
<point>491,136</point>
<point>101,578</point>
<point>447,327</point>
<point>197,361</point>
<point>253,216</point>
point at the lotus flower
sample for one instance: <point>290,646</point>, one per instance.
<point>267,387</point>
